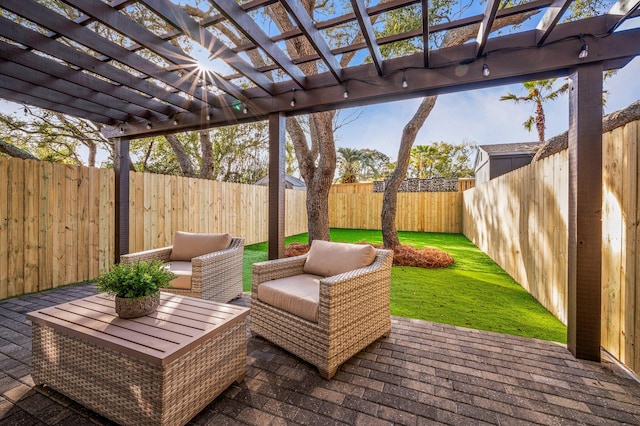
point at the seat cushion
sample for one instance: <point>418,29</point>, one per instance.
<point>183,272</point>
<point>299,295</point>
<point>187,245</point>
<point>327,258</point>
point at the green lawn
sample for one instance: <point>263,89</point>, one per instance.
<point>474,292</point>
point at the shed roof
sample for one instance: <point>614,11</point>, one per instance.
<point>511,148</point>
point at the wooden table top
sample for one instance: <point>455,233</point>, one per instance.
<point>179,324</point>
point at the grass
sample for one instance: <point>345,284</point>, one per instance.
<point>474,292</point>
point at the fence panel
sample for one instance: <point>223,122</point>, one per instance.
<point>417,211</point>
<point>534,201</point>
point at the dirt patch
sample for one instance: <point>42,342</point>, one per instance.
<point>402,255</point>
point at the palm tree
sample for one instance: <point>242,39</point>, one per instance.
<point>538,92</point>
<point>349,164</point>
<point>421,159</point>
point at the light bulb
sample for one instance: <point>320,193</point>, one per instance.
<point>175,122</point>
<point>345,94</point>
<point>245,110</point>
<point>148,125</point>
<point>584,51</point>
<point>292,103</point>
<point>405,83</point>
<point>485,70</point>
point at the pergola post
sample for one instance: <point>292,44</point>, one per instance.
<point>277,126</point>
<point>585,212</point>
<point>121,167</point>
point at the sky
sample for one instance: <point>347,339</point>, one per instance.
<point>477,117</point>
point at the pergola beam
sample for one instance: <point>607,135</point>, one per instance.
<point>550,19</point>
<point>177,17</point>
<point>485,26</point>
<point>447,75</point>
<point>367,32</point>
<point>245,24</point>
<point>306,25</point>
<point>425,31</point>
<point>620,12</point>
<point>36,41</point>
<point>41,15</point>
<point>124,25</point>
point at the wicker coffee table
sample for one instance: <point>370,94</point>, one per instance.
<point>161,369</point>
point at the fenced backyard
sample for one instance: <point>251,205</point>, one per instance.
<point>57,225</point>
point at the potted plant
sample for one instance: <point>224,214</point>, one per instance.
<point>136,286</point>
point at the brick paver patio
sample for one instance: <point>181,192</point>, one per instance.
<point>424,373</point>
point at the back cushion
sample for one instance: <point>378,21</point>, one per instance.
<point>187,245</point>
<point>327,258</point>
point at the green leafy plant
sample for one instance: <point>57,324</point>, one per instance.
<point>132,280</point>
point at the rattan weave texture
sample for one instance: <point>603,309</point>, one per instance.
<point>129,389</point>
<point>215,276</point>
<point>353,312</point>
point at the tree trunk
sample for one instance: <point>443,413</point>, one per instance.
<point>390,198</point>
<point>540,121</point>
<point>206,169</point>
<point>14,151</point>
<point>93,152</point>
<point>181,155</point>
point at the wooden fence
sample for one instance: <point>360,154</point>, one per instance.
<point>56,224</point>
<point>57,221</point>
<point>161,205</point>
<point>520,220</point>
<point>417,211</point>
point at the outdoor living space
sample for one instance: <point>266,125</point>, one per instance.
<point>136,123</point>
<point>423,373</point>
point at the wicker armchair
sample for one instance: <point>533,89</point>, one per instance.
<point>214,276</point>
<point>353,311</point>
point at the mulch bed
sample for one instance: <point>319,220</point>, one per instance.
<point>402,255</point>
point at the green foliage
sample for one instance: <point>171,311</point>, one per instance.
<point>441,159</point>
<point>136,279</point>
<point>357,165</point>
<point>474,292</point>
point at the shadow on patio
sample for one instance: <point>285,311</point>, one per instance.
<point>424,373</point>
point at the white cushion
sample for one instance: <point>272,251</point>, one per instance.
<point>328,258</point>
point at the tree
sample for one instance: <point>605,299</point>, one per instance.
<point>538,92</point>
<point>441,159</point>
<point>51,136</point>
<point>440,11</point>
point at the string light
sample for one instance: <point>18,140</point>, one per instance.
<point>346,91</point>
<point>149,125</point>
<point>485,70</point>
<point>405,83</point>
<point>175,122</point>
<point>293,98</point>
<point>584,51</point>
<point>245,110</point>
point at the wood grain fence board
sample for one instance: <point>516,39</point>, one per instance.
<point>93,215</point>
<point>105,222</point>
<point>71,223</point>
<point>15,201</point>
<point>82,243</point>
<point>5,222</point>
<point>45,220</point>
<point>628,280</point>
<point>31,225</point>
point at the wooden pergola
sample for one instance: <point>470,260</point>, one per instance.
<point>146,85</point>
